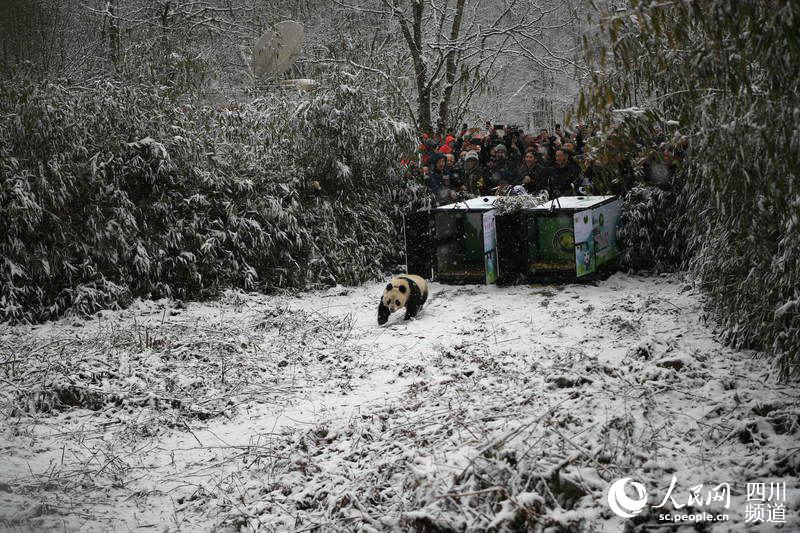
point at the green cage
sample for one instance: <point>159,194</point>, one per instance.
<point>571,236</point>
<point>454,243</point>
<point>468,242</point>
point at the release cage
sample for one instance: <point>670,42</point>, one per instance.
<point>469,242</point>
<point>571,236</point>
<point>453,243</point>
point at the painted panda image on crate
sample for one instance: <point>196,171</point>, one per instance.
<point>409,292</point>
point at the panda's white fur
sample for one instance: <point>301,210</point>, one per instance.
<point>407,291</point>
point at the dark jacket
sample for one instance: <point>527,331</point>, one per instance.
<point>525,170</point>
<point>434,181</point>
<point>538,176</point>
<point>562,180</point>
<point>475,178</point>
<point>502,171</point>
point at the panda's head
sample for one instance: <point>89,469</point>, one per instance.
<point>396,295</point>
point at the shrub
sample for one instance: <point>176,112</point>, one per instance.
<point>113,191</point>
<point>724,71</point>
<point>650,239</point>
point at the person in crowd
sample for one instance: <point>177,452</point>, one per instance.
<point>559,134</point>
<point>474,174</point>
<point>447,193</point>
<point>564,161</point>
<point>529,141</point>
<point>502,171</point>
<point>458,145</point>
<point>580,138</point>
<point>478,149</point>
<point>453,172</point>
<point>563,176</point>
<point>472,143</point>
<point>515,148</point>
<point>545,159</point>
<point>530,172</point>
<point>544,136</point>
<point>546,143</point>
<point>431,147</point>
<point>436,173</point>
<point>528,167</point>
<point>572,153</point>
<point>485,153</point>
<point>447,147</point>
<point>658,134</point>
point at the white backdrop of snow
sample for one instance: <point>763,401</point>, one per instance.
<point>404,408</point>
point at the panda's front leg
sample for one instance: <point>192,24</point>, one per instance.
<point>383,314</point>
<point>412,308</point>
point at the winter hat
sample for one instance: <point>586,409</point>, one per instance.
<point>435,159</point>
<point>500,147</point>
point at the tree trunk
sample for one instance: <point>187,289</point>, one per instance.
<point>450,70</point>
<point>413,37</point>
<point>114,48</point>
<point>424,108</point>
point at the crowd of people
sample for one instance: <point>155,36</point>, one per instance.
<point>502,159</point>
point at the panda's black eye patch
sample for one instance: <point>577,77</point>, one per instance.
<point>402,289</point>
<point>389,287</point>
<point>397,302</point>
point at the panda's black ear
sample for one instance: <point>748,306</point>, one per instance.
<point>402,289</point>
<point>389,287</point>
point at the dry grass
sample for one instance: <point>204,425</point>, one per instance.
<point>185,366</point>
<point>497,424</point>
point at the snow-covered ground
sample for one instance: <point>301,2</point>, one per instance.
<point>497,408</point>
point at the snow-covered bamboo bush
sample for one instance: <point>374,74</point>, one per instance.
<point>648,236</point>
<point>725,71</point>
<point>111,191</point>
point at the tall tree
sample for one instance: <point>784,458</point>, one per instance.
<point>456,48</point>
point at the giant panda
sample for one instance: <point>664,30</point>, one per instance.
<point>407,291</point>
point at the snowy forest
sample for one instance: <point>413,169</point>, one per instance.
<point>202,203</point>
